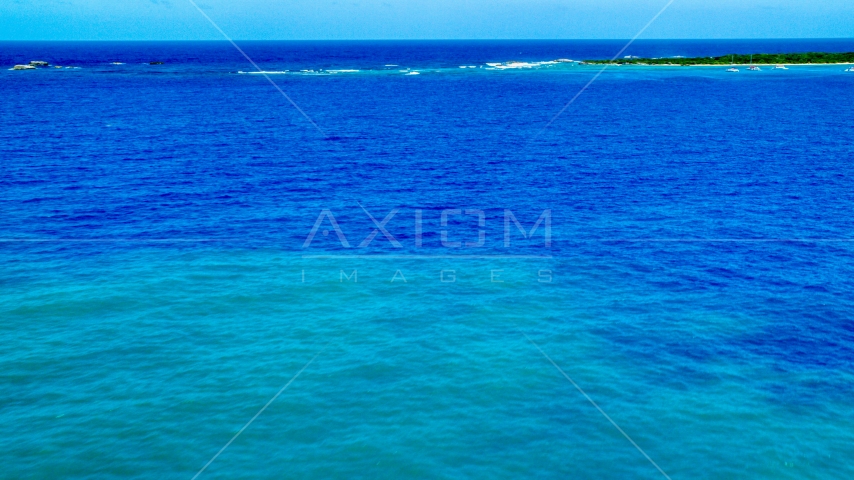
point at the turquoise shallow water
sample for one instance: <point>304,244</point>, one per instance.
<point>148,367</point>
<point>157,288</point>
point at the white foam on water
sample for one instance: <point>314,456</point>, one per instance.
<point>521,65</point>
<point>510,65</point>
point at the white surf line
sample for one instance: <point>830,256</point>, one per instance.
<point>259,413</point>
<point>598,408</point>
<point>583,89</point>
<point>262,72</point>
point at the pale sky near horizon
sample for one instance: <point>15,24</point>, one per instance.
<point>422,19</point>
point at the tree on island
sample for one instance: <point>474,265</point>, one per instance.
<point>758,58</point>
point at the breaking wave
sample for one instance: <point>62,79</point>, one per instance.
<point>394,69</point>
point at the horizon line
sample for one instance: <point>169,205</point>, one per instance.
<point>616,39</point>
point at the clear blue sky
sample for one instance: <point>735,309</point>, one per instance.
<point>421,19</point>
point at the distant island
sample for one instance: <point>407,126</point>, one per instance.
<point>810,58</point>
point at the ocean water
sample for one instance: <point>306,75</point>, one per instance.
<point>169,262</point>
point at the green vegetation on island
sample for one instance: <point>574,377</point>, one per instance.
<point>758,58</point>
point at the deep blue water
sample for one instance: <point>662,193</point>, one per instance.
<point>156,289</point>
